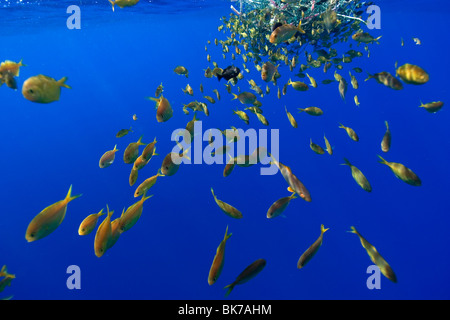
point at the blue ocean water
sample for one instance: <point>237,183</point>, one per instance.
<point>117,59</point>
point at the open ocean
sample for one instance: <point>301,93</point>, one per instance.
<point>119,58</point>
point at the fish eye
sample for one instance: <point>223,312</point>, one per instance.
<point>32,235</point>
<point>31,91</point>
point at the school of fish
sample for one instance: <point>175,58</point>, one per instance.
<point>271,39</point>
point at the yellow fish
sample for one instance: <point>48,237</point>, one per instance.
<point>89,223</point>
<point>132,214</point>
<point>103,235</point>
<point>43,89</point>
<point>49,219</point>
<point>219,258</point>
<point>228,209</point>
<point>123,3</point>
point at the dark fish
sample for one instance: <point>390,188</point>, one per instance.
<point>229,73</point>
<point>249,273</point>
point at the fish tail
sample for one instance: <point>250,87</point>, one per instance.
<point>323,229</point>
<point>144,198</point>
<point>382,160</point>
<point>112,3</point>
<point>160,173</point>
<point>69,196</point>
<point>353,230</point>
<point>341,125</point>
<point>219,76</point>
<point>347,163</point>
<point>301,110</point>
<point>291,190</point>
<point>62,83</point>
<point>101,213</point>
<point>227,235</point>
<point>234,96</point>
<point>212,191</point>
<point>230,288</point>
<point>369,76</point>
<point>115,148</point>
<point>139,142</point>
<point>4,271</point>
<point>387,125</point>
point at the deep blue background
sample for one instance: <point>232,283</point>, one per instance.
<point>118,59</point>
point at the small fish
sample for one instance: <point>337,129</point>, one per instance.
<point>135,117</point>
<point>353,81</point>
<point>298,85</point>
<point>219,259</point>
<point>342,88</point>
<point>364,37</point>
<point>262,119</point>
<point>312,250</point>
<point>293,182</point>
<point>328,146</point>
<point>412,74</point>
<point>291,118</point>
<point>245,97</point>
<point>123,132</point>
<point>279,93</point>
<point>201,88</point>
<point>188,90</point>
<point>43,89</point>
<point>386,79</point>
<point>313,111</point>
<point>375,257</point>
<point>417,41</point>
<point>229,168</point>
<point>355,98</point>
<point>312,80</point>
<point>132,214</point>
<point>131,153</point>
<point>268,71</point>
<point>226,208</point>
<point>242,115</point>
<point>89,223</point>
<point>217,94</point>
<point>103,235</point>
<point>140,163</point>
<point>49,219</point>
<point>278,207</point>
<point>133,176</point>
<point>146,185</point>
<point>163,109</point>
<point>229,73</point>
<point>350,132</point>
<point>316,148</point>
<point>123,3</point>
<point>359,177</point>
<point>249,273</point>
<point>107,158</point>
<point>159,90</point>
<point>181,71</point>
<point>149,150</point>
<point>284,32</point>
<point>432,107</point>
<point>168,166</point>
<point>386,142</point>
<point>402,172</point>
<point>210,99</point>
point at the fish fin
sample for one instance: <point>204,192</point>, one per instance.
<point>230,288</point>
<point>323,229</point>
<point>212,191</point>
<point>62,83</point>
<point>219,76</point>
<point>290,189</point>
<point>369,76</point>
<point>112,3</point>
<point>69,196</point>
<point>353,230</point>
<point>347,163</point>
<point>382,160</point>
<point>387,125</point>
